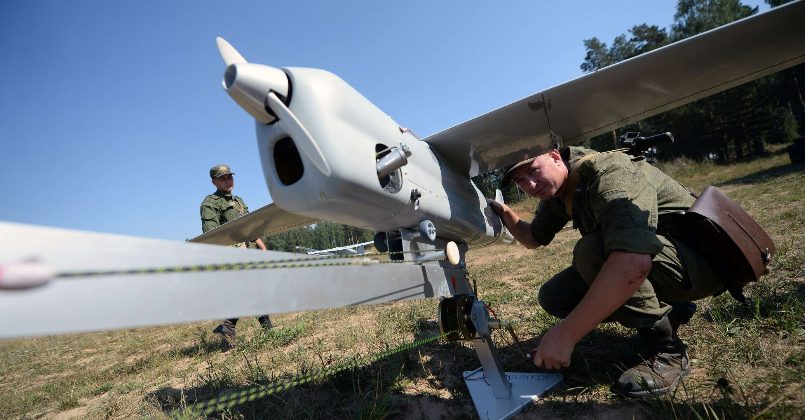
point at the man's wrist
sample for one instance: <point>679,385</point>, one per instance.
<point>514,219</point>
<point>569,332</point>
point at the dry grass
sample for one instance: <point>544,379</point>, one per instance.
<point>748,361</point>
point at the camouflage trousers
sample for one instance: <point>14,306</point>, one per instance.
<point>679,273</point>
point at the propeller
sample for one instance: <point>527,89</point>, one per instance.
<point>249,84</point>
<point>259,90</point>
<point>228,52</point>
<point>299,134</point>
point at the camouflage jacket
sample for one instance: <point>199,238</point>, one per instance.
<point>620,196</point>
<point>218,208</point>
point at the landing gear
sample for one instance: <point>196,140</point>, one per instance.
<point>381,244</point>
<point>454,317</point>
<point>496,394</point>
<point>427,229</point>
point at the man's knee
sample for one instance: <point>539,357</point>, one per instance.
<point>549,298</point>
<point>589,256</point>
<point>559,295</point>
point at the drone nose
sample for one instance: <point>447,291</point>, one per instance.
<point>249,85</point>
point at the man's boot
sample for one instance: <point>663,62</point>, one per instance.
<point>265,322</point>
<point>228,334</point>
<point>660,373</point>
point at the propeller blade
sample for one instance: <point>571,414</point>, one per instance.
<point>228,52</point>
<point>304,141</point>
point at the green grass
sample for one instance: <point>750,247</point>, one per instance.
<point>748,359</point>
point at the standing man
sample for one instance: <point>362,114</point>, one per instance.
<point>218,208</point>
<point>627,267</point>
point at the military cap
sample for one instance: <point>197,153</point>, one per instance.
<point>516,166</point>
<point>218,171</point>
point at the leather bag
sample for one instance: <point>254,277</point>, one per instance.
<point>737,244</point>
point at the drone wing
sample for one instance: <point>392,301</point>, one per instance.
<point>58,281</point>
<point>629,91</point>
<point>354,249</point>
<point>265,221</point>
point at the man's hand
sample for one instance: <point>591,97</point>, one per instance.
<point>498,207</point>
<point>519,228</point>
<point>619,278</point>
<point>554,349</point>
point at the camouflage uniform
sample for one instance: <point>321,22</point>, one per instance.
<point>619,204</point>
<point>216,209</point>
<point>219,208</point>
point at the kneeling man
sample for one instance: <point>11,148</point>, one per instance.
<point>627,267</point>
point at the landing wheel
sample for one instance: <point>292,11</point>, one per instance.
<point>427,229</point>
<point>380,242</point>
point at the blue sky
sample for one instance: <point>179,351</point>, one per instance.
<point>112,113</point>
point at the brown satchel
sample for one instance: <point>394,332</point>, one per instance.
<point>740,248</point>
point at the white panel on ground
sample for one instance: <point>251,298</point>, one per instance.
<point>526,388</point>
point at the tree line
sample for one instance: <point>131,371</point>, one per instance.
<point>320,235</point>
<point>736,124</point>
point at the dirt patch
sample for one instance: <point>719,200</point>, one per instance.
<point>80,412</point>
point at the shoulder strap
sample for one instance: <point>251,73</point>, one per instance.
<point>239,208</point>
<point>573,178</point>
<point>573,182</point>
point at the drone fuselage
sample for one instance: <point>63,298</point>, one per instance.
<point>342,128</point>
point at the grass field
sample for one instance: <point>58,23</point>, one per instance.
<point>749,361</point>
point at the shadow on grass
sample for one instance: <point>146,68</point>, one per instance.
<point>371,391</point>
<point>597,360</point>
<point>433,371</point>
<point>780,309</point>
<point>764,175</point>
<point>205,347</point>
<point>427,382</point>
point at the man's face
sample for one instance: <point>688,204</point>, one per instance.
<point>544,177</point>
<point>225,183</point>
